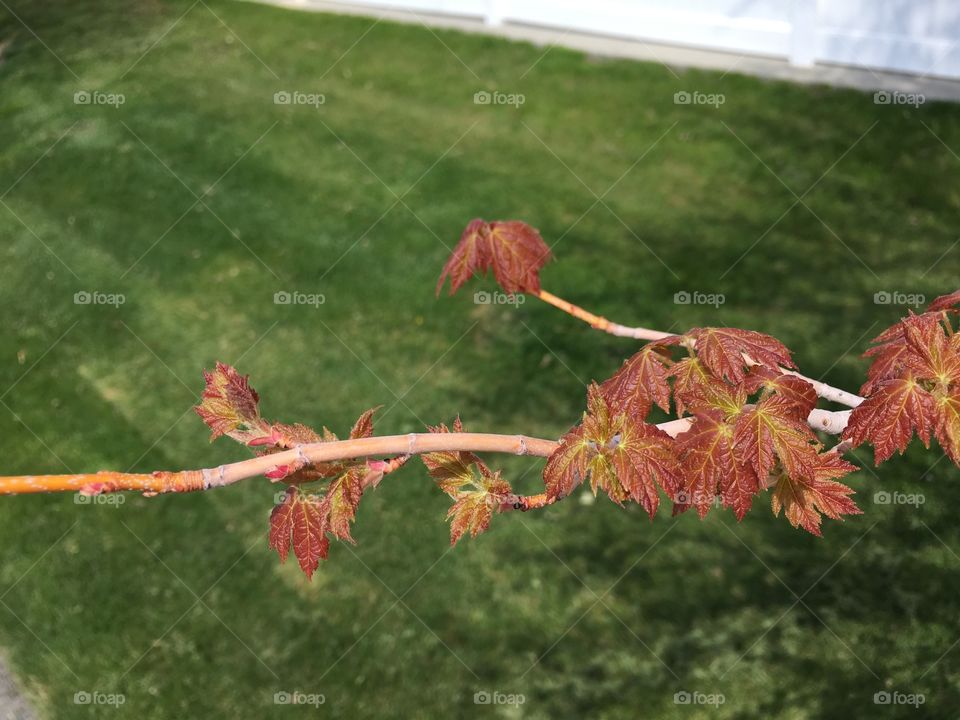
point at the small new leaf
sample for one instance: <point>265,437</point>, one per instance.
<point>710,467</point>
<point>566,467</point>
<point>300,520</point>
<point>229,406</point>
<point>770,431</point>
<point>804,499</point>
<point>472,510</point>
<point>514,250</point>
<point>722,351</point>
<point>342,499</point>
<point>645,461</point>
<point>363,427</point>
<point>452,469</point>
<point>793,396</point>
<point>913,385</point>
<point>626,458</point>
<point>889,417</point>
<point>640,382</point>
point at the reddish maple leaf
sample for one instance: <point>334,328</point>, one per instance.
<point>947,426</point>
<point>930,355</point>
<point>696,389</point>
<point>229,406</point>
<point>452,469</point>
<point>803,499</point>
<point>627,459</point>
<point>645,461</point>
<point>472,510</point>
<point>710,467</point>
<point>301,520</point>
<point>792,395</point>
<point>342,499</point>
<point>582,453</point>
<point>641,381</point>
<point>722,350</point>
<point>363,427</point>
<point>913,384</point>
<point>889,353</point>
<point>514,250</point>
<point>689,376</point>
<point>566,467</point>
<point>288,436</point>
<point>890,415</point>
<point>476,491</point>
<point>770,431</point>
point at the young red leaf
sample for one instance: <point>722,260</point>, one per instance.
<point>695,390</point>
<point>281,523</point>
<point>342,499</point>
<point>288,436</point>
<point>918,343</point>
<point>947,428</point>
<point>888,363</point>
<point>518,254</point>
<point>930,355</point>
<point>945,302</point>
<point>889,417</point>
<point>363,427</point>
<point>710,467</point>
<point>452,469</point>
<point>889,353</point>
<point>689,377</point>
<point>722,351</point>
<point>625,458</point>
<point>229,406</point>
<point>471,256</point>
<point>641,381</point>
<point>567,466</point>
<point>302,521</point>
<point>645,459</point>
<point>578,454</point>
<point>472,510</point>
<point>514,250</point>
<point>793,395</point>
<point>803,499</point>
<point>770,431</point>
<point>604,476</point>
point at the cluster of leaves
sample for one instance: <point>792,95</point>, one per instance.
<point>747,431</point>
<point>476,491</point>
<point>748,420</point>
<point>231,407</point>
<point>306,520</point>
<point>913,385</point>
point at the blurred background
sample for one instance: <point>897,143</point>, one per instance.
<point>171,170</point>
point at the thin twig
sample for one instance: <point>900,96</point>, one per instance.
<point>827,392</point>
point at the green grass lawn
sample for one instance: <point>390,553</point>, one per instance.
<point>587,610</point>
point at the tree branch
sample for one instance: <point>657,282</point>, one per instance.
<point>411,444</point>
<point>827,392</point>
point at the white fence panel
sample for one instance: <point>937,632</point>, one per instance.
<point>754,26</point>
<point>913,36</point>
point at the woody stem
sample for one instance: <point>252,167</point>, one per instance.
<point>827,392</point>
<point>325,452</point>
